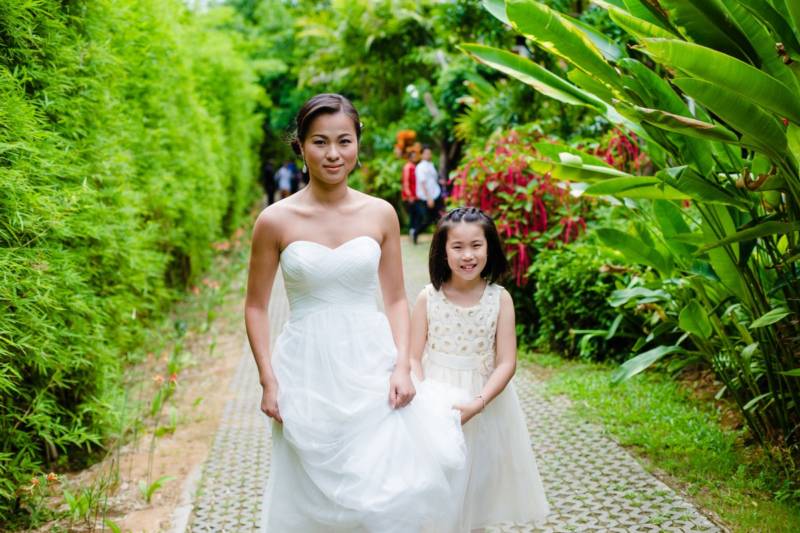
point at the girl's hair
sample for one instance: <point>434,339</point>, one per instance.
<point>496,262</point>
<point>326,103</point>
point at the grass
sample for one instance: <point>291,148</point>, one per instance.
<point>682,441</point>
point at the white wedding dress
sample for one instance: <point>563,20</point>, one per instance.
<point>343,460</point>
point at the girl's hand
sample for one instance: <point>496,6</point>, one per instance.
<point>468,410</point>
<point>401,390</point>
<point>269,402</point>
<point>416,369</point>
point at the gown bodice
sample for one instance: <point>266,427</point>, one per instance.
<point>317,277</point>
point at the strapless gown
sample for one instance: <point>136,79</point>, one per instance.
<point>343,460</point>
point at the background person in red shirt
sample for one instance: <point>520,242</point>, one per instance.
<point>408,193</point>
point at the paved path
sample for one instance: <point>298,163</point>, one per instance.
<point>592,483</point>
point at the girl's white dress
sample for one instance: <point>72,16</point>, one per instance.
<point>343,460</point>
<point>502,481</point>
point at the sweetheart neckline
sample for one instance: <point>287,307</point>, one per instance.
<point>369,237</point>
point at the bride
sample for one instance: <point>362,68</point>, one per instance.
<point>351,451</point>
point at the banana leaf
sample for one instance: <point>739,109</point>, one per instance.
<point>635,187</point>
<point>556,34</point>
<point>759,231</point>
<point>728,73</point>
<point>759,129</point>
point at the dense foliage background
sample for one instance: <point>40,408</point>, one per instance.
<point>640,158</point>
<point>127,146</point>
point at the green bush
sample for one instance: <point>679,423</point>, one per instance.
<point>573,284</point>
<point>126,148</point>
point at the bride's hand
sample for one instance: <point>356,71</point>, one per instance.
<point>269,402</point>
<point>401,390</point>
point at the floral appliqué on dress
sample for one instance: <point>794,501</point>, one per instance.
<point>457,331</point>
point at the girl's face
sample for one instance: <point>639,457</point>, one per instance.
<point>466,250</point>
<point>330,148</point>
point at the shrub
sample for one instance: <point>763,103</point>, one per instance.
<point>573,284</point>
<point>532,211</point>
<point>125,150</point>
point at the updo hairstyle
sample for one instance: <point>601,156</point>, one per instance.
<point>326,103</point>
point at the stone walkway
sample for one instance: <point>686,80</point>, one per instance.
<point>592,483</point>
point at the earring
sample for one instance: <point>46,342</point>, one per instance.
<point>358,162</point>
<point>305,169</point>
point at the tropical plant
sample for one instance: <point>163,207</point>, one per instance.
<point>713,88</point>
<point>126,149</point>
<point>531,210</point>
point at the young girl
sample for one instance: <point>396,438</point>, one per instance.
<point>463,333</point>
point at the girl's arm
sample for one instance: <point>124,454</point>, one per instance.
<point>395,304</point>
<point>419,333</point>
<point>505,360</point>
<point>264,256</point>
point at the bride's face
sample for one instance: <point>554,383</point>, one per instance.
<point>330,148</point>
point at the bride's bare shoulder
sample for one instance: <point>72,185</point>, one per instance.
<point>274,218</point>
<point>375,206</point>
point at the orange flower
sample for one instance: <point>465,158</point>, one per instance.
<point>173,379</point>
<point>52,477</point>
<point>195,290</point>
<point>34,482</point>
<point>159,379</point>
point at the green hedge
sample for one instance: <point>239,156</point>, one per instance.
<point>571,295</point>
<point>127,142</point>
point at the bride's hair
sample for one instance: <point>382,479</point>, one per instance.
<point>496,262</point>
<point>326,103</point>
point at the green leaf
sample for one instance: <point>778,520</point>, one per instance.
<point>694,319</point>
<point>553,150</point>
<point>752,403</point>
<point>727,72</point>
<point>670,218</point>
<point>795,373</point>
<point>590,84</point>
<point>759,129</point>
<point>147,491</point>
<point>641,295</point>
<point>671,223</point>
<point>724,260</point>
<point>498,9</point>
<point>634,250</point>
<point>687,180</point>
<point>641,362</point>
<point>793,138</point>
<point>610,50</point>
<point>646,187</point>
<point>793,7</point>
<point>642,10</point>
<point>756,232</point>
<point>635,26</point>
<point>770,317</point>
<point>573,172</point>
<point>764,41</point>
<point>685,125</point>
<point>534,75</point>
<point>561,37</point>
<point>708,23</point>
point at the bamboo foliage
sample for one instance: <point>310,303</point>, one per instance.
<point>126,148</point>
<point>714,89</point>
